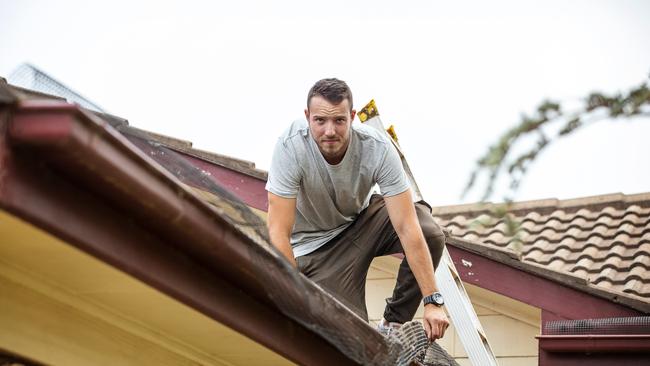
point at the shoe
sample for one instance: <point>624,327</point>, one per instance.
<point>386,328</point>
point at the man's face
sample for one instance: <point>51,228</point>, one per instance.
<point>330,127</point>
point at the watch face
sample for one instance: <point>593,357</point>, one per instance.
<point>437,298</point>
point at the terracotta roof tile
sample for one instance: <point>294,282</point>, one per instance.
<point>634,287</point>
<point>602,239</point>
<point>642,259</point>
<point>580,272</point>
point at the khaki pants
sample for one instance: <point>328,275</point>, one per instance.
<point>341,265</point>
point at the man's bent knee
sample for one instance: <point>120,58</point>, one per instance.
<point>436,245</point>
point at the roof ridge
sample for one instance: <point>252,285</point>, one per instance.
<point>545,204</point>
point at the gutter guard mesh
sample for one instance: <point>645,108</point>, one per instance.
<point>622,325</point>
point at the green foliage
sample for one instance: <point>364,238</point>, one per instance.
<point>633,103</point>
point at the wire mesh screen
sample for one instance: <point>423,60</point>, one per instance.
<point>29,77</point>
<point>624,325</point>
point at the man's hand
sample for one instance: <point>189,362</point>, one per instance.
<point>435,322</point>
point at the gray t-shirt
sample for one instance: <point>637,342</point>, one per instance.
<point>329,197</point>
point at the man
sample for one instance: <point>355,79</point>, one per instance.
<point>324,220</point>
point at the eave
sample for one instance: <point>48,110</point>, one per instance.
<point>560,295</point>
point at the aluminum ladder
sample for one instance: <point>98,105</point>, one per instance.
<point>457,301</point>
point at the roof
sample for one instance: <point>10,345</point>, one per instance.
<point>602,240</point>
<point>174,155</point>
<point>201,246</point>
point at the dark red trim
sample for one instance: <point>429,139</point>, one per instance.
<point>557,300</point>
<point>549,316</point>
<point>595,343</point>
<point>249,189</point>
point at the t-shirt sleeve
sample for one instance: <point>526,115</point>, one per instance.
<point>391,177</point>
<point>284,174</point>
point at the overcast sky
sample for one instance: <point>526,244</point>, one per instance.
<point>451,76</point>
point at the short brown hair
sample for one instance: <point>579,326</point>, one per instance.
<point>332,89</point>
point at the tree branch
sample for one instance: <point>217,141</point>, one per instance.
<point>634,103</point>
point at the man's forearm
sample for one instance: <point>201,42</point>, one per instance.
<point>420,262</point>
<point>404,219</point>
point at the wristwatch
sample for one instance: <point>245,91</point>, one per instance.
<point>435,299</point>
